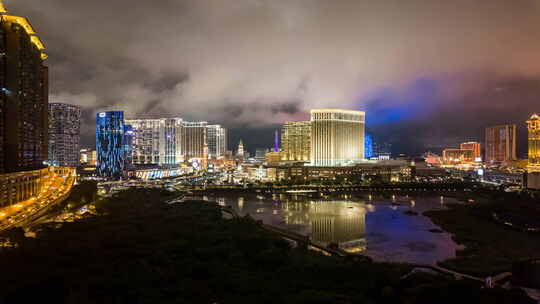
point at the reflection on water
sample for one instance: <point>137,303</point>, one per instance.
<point>339,222</point>
<point>375,226</point>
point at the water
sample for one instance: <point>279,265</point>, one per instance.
<point>373,226</point>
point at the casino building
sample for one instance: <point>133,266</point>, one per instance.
<point>533,126</point>
<point>296,141</point>
<point>110,138</point>
<point>337,137</point>
<point>533,168</point>
<point>501,143</point>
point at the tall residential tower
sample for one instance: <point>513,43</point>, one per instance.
<point>23,96</point>
<point>64,134</point>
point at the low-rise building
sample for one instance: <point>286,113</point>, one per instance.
<point>389,171</point>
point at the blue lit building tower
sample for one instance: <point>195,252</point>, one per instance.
<point>110,146</point>
<point>369,147</point>
<point>128,146</point>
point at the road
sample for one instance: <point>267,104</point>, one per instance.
<point>56,189</point>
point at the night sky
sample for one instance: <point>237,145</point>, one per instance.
<point>429,73</point>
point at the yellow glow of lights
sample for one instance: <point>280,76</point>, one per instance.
<point>22,22</point>
<point>2,8</point>
<point>533,126</point>
<point>25,24</point>
<point>37,42</point>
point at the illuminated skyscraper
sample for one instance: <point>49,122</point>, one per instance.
<point>157,141</point>
<point>368,150</point>
<point>296,141</point>
<point>194,140</point>
<point>23,96</point>
<point>110,144</point>
<point>337,137</point>
<point>276,141</point>
<point>146,146</point>
<point>217,141</point>
<point>501,143</point>
<point>170,142</point>
<point>475,147</point>
<point>64,134</point>
<point>533,126</point>
<point>128,146</point>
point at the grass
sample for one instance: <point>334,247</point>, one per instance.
<point>489,246</point>
<point>141,250</point>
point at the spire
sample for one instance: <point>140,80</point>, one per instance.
<point>241,148</point>
<point>276,142</point>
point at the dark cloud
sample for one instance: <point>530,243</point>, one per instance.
<point>413,65</point>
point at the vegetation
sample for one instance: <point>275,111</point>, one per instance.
<point>490,247</point>
<point>141,250</point>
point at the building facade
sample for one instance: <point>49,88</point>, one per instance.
<point>217,141</point>
<point>501,143</point>
<point>110,128</point>
<point>23,96</point>
<point>170,137</point>
<point>533,127</point>
<point>296,141</point>
<point>157,141</point>
<point>337,137</point>
<point>260,154</point>
<point>240,151</point>
<point>475,147</point>
<point>145,149</point>
<point>458,156</point>
<point>390,171</point>
<point>195,140</point>
<point>368,149</point>
<point>64,135</point>
<point>88,157</point>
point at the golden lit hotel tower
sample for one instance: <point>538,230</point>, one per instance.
<point>475,147</point>
<point>23,96</point>
<point>337,137</point>
<point>296,141</point>
<point>501,143</point>
<point>533,125</point>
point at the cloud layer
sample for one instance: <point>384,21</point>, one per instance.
<point>247,63</point>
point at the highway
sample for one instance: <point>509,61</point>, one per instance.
<point>56,190</point>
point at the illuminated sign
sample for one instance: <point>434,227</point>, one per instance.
<point>102,114</point>
<point>481,172</point>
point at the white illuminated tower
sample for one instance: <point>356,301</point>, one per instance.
<point>337,137</point>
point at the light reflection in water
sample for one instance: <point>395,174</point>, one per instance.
<point>240,203</point>
<point>221,201</point>
<point>339,222</point>
<point>379,228</point>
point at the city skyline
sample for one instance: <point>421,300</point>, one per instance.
<point>347,105</point>
<point>415,90</point>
